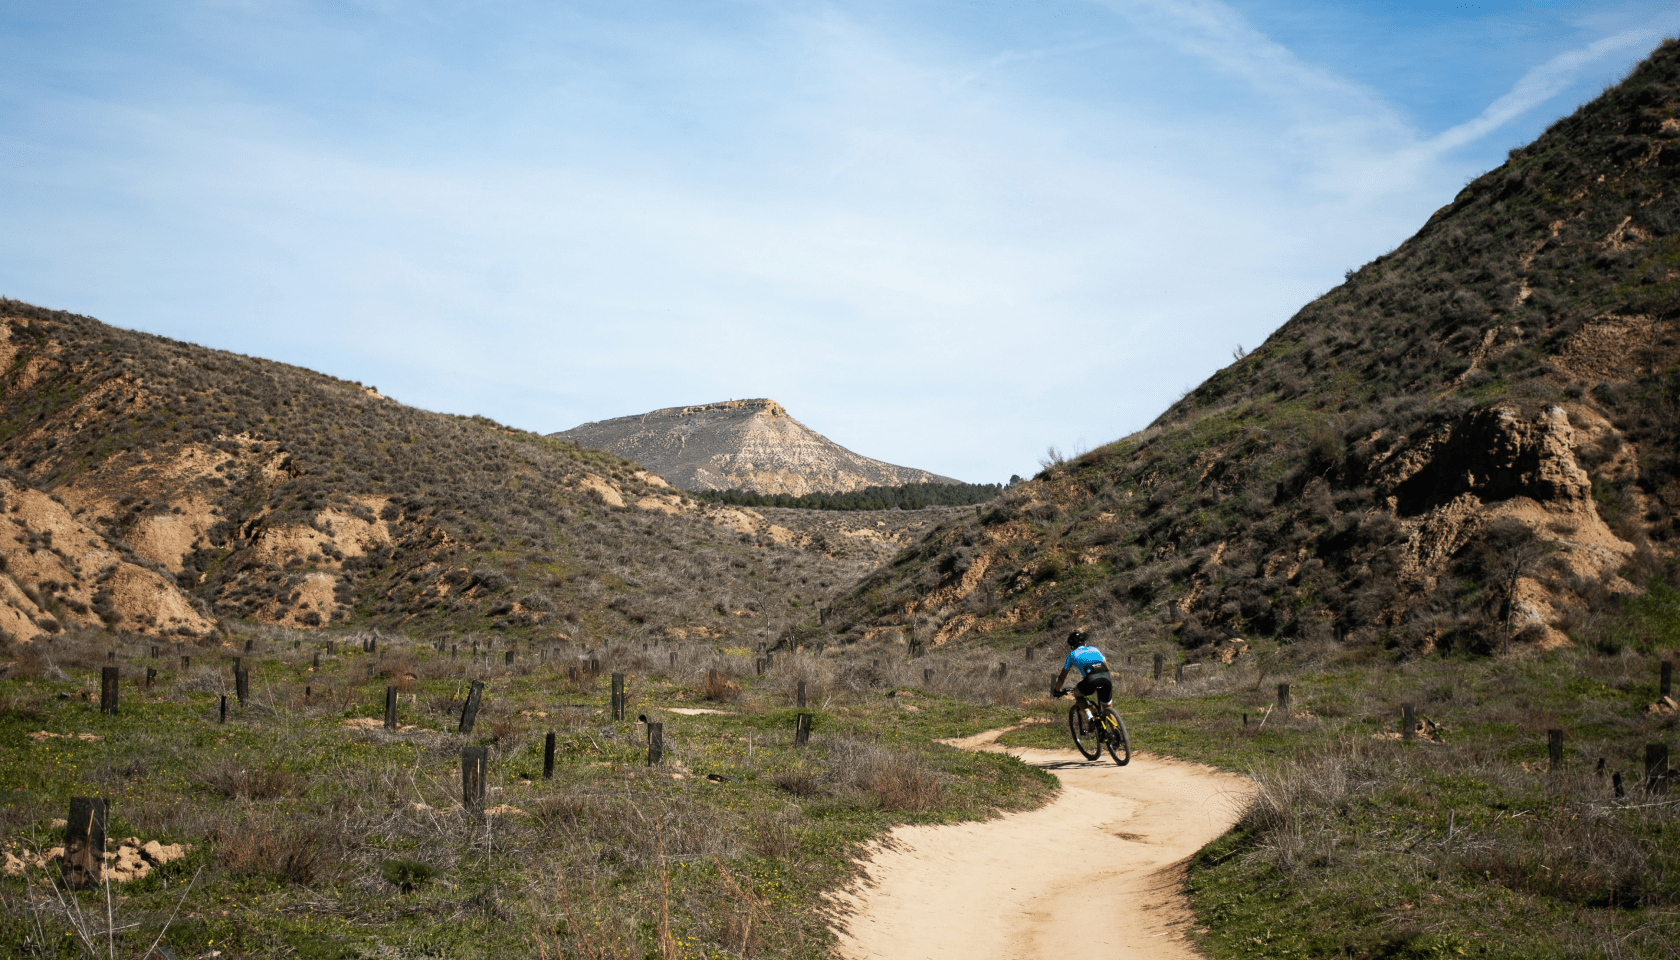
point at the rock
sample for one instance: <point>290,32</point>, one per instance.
<point>738,444</point>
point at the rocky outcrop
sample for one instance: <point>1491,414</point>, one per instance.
<point>58,573</point>
<point>740,445</point>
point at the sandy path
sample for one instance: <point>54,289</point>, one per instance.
<point>1100,868</point>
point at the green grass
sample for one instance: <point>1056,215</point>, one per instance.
<point>295,816</point>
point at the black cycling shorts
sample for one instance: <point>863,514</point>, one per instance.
<point>1097,683</point>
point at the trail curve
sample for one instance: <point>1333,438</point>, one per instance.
<point>1099,869</point>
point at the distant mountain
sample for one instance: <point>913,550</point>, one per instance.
<point>740,445</point>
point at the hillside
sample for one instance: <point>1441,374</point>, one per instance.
<point>160,487</point>
<point>749,445</point>
<point>1470,442</point>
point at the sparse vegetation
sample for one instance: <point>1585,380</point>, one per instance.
<point>909,496</point>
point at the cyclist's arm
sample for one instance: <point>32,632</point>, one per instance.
<point>1057,686</point>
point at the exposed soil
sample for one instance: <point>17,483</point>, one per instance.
<point>1099,869</point>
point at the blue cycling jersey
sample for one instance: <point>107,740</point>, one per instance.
<point>1085,658</point>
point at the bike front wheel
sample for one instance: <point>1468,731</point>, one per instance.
<point>1087,737</point>
<point>1119,743</point>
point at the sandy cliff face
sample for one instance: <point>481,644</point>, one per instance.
<point>740,444</point>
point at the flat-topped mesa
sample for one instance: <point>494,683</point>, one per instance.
<point>741,445</point>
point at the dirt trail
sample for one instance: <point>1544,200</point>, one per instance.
<point>1099,870</point>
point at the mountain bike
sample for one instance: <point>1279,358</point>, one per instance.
<point>1097,725</point>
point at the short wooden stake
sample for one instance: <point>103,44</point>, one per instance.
<point>1029,654</point>
<point>242,685</point>
<point>618,696</point>
<point>1600,770</point>
<point>820,646</point>
<point>151,677</point>
<point>1656,767</point>
<point>509,658</point>
<point>390,708</point>
<point>1178,673</point>
<point>454,650</point>
<point>248,645</point>
<point>927,675</point>
<point>1003,670</point>
<point>1554,749</point>
<point>84,841</point>
<point>1160,661</point>
<point>673,658</point>
<point>186,663</point>
<point>802,732</point>
<point>108,684</point>
<point>223,717</point>
<point>315,660</point>
<point>800,697</point>
<point>469,712</point>
<point>758,664</point>
<point>1616,782</point>
<point>1408,722</point>
<point>656,743</point>
<point>548,756</point>
<point>154,651</point>
<point>475,769</point>
<point>1283,697</point>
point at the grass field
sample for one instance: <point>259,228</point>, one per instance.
<point>302,811</point>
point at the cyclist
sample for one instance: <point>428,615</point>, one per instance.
<point>1093,670</point>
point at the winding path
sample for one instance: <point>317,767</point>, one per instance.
<point>1099,869</point>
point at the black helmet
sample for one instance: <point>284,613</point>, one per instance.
<point>1076,638</point>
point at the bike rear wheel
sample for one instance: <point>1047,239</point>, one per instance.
<point>1087,737</point>
<point>1119,743</point>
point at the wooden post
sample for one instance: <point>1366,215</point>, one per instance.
<point>1283,697</point>
<point>315,660</point>
<point>84,841</point>
<point>1666,686</point>
<point>1554,749</point>
<point>1178,673</point>
<point>594,667</point>
<point>1656,767</point>
<point>186,662</point>
<point>373,645</point>
<point>509,658</point>
<point>656,743</point>
<point>1029,654</point>
<point>1159,662</point>
<point>1408,722</point>
<point>548,756</point>
<point>800,702</point>
<point>820,646</point>
<point>390,708</point>
<point>618,696</point>
<point>875,664</point>
<point>802,732</point>
<point>454,650</point>
<point>242,684</point>
<point>297,644</point>
<point>108,684</point>
<point>673,659</point>
<point>758,664</point>
<point>927,675</point>
<point>469,713</point>
<point>154,651</point>
<point>1003,670</point>
<point>475,769</point>
<point>1616,781</point>
<point>248,645</point>
<point>151,677</point>
<point>223,717</point>
<point>306,691</point>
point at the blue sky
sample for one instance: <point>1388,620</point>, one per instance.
<point>946,234</point>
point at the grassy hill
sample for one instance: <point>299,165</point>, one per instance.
<point>1473,436</point>
<point>259,492</point>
